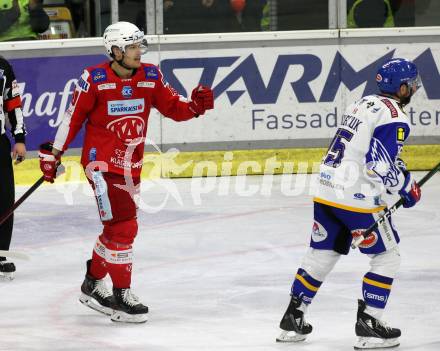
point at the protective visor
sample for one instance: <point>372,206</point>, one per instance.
<point>414,83</point>
<point>139,41</point>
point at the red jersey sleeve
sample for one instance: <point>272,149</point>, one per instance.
<point>83,101</point>
<point>169,102</point>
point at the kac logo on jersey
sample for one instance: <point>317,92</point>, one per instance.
<point>124,107</point>
<point>128,129</point>
<point>127,91</point>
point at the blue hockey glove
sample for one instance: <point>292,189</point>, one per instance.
<point>410,192</point>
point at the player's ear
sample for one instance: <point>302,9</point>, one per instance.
<point>403,91</point>
<point>117,53</point>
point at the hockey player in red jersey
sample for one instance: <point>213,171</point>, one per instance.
<point>114,100</point>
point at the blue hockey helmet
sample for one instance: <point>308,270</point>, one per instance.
<point>395,72</point>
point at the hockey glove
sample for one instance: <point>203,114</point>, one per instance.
<point>202,99</point>
<point>48,162</point>
<point>410,192</point>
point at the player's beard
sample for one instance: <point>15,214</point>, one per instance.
<point>405,100</point>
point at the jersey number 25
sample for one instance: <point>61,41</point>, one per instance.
<point>335,152</point>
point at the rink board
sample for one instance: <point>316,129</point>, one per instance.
<point>226,163</point>
<point>275,93</point>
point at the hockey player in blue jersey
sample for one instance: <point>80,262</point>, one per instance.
<point>361,164</point>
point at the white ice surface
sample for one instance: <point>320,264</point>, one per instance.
<point>215,274</point>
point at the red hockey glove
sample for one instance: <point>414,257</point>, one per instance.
<point>48,162</point>
<point>410,192</point>
<point>202,99</point>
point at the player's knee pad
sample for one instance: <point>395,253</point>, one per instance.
<point>386,263</point>
<point>122,232</point>
<point>319,263</point>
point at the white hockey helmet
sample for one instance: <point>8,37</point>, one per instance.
<point>121,34</point>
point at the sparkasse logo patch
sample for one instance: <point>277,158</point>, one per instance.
<point>123,107</point>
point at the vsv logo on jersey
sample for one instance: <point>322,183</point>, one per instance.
<point>381,164</point>
<point>128,128</point>
<point>127,91</point>
<point>123,107</point>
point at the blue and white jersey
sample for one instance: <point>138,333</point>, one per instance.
<point>360,163</point>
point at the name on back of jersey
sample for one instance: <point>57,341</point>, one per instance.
<point>351,122</point>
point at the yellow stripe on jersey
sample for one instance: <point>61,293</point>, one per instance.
<point>378,284</point>
<point>349,208</point>
<point>306,283</point>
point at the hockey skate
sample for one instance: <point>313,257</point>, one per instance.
<point>127,307</point>
<point>293,324</point>
<point>94,294</point>
<point>373,333</point>
<point>7,269</point>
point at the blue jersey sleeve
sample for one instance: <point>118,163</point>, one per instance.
<point>385,146</point>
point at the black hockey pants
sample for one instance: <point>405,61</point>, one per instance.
<point>7,191</point>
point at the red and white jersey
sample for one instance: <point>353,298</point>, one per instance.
<point>116,113</point>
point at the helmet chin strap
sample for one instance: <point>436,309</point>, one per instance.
<point>121,63</point>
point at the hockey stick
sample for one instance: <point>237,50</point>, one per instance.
<point>5,216</point>
<point>14,254</point>
<point>389,211</point>
<point>21,199</point>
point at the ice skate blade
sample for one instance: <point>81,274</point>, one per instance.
<point>367,343</point>
<point>94,305</point>
<point>7,276</point>
<point>122,317</point>
<point>290,336</point>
